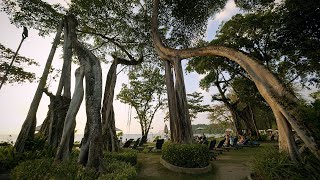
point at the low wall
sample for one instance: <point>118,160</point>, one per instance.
<point>185,170</point>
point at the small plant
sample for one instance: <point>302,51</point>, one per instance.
<point>7,157</point>
<point>186,155</point>
<point>125,156</point>
<point>272,164</point>
<point>48,169</point>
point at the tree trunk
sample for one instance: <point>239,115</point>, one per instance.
<point>108,122</point>
<point>65,79</point>
<point>28,127</point>
<point>63,152</point>
<point>182,105</point>
<point>274,92</point>
<point>44,130</point>
<point>93,76</point>
<point>235,116</point>
<point>59,107</point>
<point>286,139</point>
<point>172,103</point>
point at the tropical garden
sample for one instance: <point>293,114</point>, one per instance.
<point>259,61</point>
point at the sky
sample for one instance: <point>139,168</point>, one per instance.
<point>15,99</point>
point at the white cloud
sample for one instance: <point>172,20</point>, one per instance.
<point>229,10</point>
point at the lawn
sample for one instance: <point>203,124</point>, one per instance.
<point>234,164</point>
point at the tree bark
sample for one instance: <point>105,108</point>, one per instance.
<point>63,152</point>
<point>65,79</point>
<point>28,127</point>
<point>92,146</point>
<point>274,92</point>
<point>59,107</point>
<point>182,105</point>
<point>108,122</point>
<point>286,139</point>
<point>172,103</point>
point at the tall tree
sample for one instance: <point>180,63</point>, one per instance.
<point>273,91</point>
<point>17,73</point>
<point>145,93</point>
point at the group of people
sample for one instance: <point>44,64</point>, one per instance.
<point>231,141</point>
<point>201,139</point>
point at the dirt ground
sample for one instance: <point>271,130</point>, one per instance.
<point>233,165</point>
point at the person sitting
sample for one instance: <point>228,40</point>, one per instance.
<point>227,141</point>
<point>241,140</point>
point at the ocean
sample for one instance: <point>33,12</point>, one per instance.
<point>78,137</point>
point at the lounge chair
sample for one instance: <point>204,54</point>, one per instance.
<point>136,143</point>
<point>213,153</point>
<point>137,146</point>
<point>158,146</point>
<point>220,146</point>
<point>248,143</point>
<point>127,143</point>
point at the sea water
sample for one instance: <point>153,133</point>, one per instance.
<point>13,137</point>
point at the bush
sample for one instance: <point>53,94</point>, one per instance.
<point>33,169</point>
<point>125,156</point>
<point>272,164</point>
<point>263,137</point>
<point>7,158</point>
<point>48,169</point>
<point>186,155</point>
<point>118,170</point>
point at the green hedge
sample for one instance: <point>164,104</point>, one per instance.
<point>125,156</point>
<point>186,155</point>
<point>272,164</point>
<point>48,169</point>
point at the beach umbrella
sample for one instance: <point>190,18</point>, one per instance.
<point>200,128</point>
<point>166,131</point>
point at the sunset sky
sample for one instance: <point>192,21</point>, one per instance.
<point>16,99</point>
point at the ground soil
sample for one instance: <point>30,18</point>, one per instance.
<point>232,165</point>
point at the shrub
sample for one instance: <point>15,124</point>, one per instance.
<point>272,164</point>
<point>7,158</point>
<point>119,170</point>
<point>186,155</point>
<point>48,169</point>
<point>125,156</point>
<point>33,169</point>
<point>263,137</point>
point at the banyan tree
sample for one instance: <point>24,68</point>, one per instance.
<point>59,125</point>
<point>283,103</point>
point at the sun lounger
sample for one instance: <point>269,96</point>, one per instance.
<point>158,146</point>
<point>127,143</point>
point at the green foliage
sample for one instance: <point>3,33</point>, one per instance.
<point>125,156</point>
<point>7,157</point>
<point>37,148</point>
<point>35,14</point>
<point>272,164</point>
<point>33,169</point>
<point>186,155</point>
<point>195,105</point>
<point>17,74</point>
<point>119,170</point>
<point>187,19</point>
<point>48,169</point>
<point>311,116</point>
<point>145,93</point>
<point>119,134</point>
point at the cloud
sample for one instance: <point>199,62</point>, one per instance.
<point>213,24</point>
<point>228,11</point>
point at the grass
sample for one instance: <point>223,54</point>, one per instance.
<point>230,165</point>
